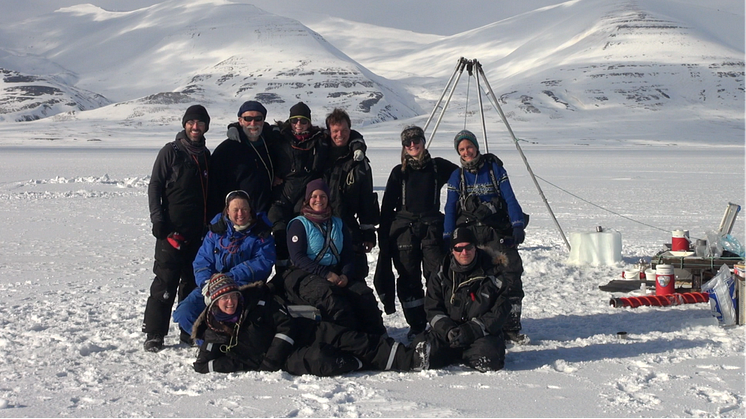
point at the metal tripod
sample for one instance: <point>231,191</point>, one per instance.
<point>474,68</point>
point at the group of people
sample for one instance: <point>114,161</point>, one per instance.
<point>297,200</point>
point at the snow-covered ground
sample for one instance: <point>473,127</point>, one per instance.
<point>75,268</point>
<point>76,251</point>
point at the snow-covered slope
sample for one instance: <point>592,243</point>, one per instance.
<point>214,52</point>
<point>586,62</point>
<point>622,70</point>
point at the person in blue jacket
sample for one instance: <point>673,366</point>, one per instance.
<point>480,198</point>
<point>239,244</point>
<point>322,271</point>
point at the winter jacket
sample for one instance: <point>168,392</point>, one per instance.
<point>477,295</point>
<point>469,193</point>
<point>352,198</point>
<point>411,201</point>
<point>297,162</point>
<point>246,256</point>
<point>304,236</point>
<point>177,193</point>
<point>240,164</point>
<point>261,339</point>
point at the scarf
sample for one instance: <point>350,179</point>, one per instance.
<point>474,165</point>
<point>192,147</point>
<point>458,268</point>
<point>317,217</point>
<point>416,163</point>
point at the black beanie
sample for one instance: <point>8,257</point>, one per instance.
<point>197,112</point>
<point>463,235</point>
<point>300,109</point>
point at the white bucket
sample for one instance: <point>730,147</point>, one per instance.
<point>632,275</point>
<point>649,275</point>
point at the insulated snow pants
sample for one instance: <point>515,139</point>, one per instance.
<point>173,272</point>
<point>353,306</point>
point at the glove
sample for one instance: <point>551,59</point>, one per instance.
<point>519,235</point>
<point>464,335</point>
<point>176,240</point>
<point>206,294</point>
<point>453,336</point>
<point>358,155</point>
<point>159,230</point>
<point>485,210</point>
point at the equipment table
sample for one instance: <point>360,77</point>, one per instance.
<point>702,269</point>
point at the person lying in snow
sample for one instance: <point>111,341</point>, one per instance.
<point>249,329</point>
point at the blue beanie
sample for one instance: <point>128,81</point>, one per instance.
<point>465,135</point>
<point>252,105</point>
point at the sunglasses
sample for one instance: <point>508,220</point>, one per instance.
<point>302,121</point>
<point>253,118</point>
<point>236,194</point>
<point>409,143</point>
<point>468,247</point>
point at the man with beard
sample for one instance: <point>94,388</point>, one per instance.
<point>177,196</point>
<point>242,161</point>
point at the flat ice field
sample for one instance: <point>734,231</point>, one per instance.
<point>75,268</point>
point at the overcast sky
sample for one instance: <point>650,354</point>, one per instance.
<point>442,17</point>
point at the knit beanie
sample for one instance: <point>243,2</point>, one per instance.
<point>301,110</point>
<point>412,133</point>
<point>221,284</point>
<point>465,135</point>
<point>316,185</point>
<point>462,235</point>
<point>197,112</point>
<point>252,105</point>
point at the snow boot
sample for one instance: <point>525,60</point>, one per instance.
<point>153,342</point>
<point>516,337</point>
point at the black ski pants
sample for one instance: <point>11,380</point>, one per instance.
<point>174,276</point>
<point>417,251</point>
<point>328,349</point>
<point>353,306</point>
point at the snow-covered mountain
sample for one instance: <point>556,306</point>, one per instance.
<point>154,60</point>
<point>597,57</point>
<point>594,63</point>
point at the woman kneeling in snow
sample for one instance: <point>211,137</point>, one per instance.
<point>248,329</point>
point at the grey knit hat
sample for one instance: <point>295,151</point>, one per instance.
<point>465,135</point>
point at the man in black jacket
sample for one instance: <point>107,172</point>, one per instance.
<point>243,161</point>
<point>350,180</point>
<point>466,307</point>
<point>177,196</point>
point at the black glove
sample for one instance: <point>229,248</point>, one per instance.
<point>464,335</point>
<point>519,235</point>
<point>160,231</point>
<point>485,210</point>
